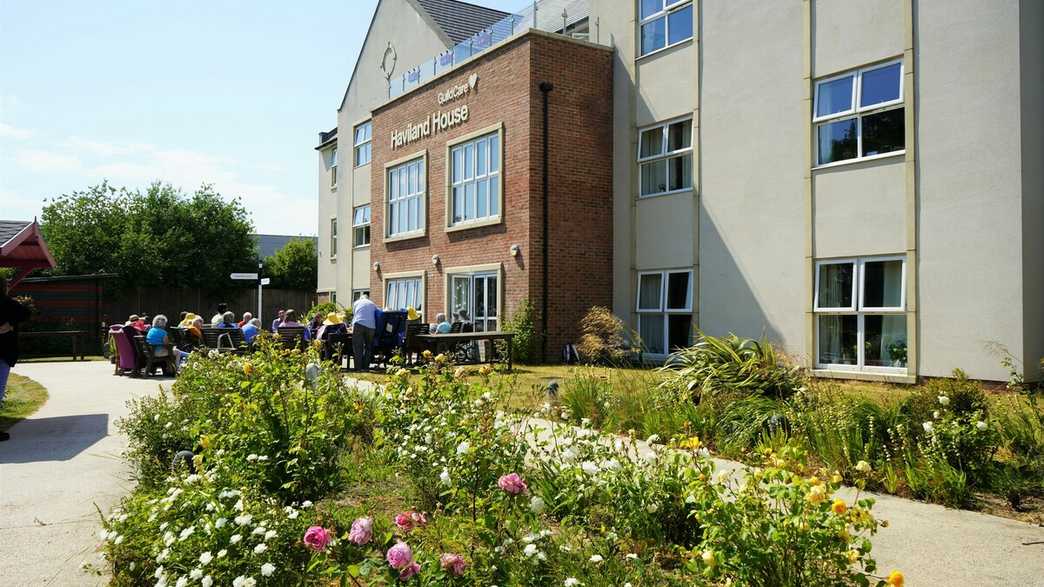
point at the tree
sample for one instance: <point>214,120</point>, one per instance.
<point>294,266</point>
<point>158,236</point>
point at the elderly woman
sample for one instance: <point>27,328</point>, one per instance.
<point>290,321</point>
<point>250,330</point>
<point>159,340</point>
<point>442,326</point>
<point>228,320</point>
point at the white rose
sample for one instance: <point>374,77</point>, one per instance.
<point>928,426</point>
<point>267,569</point>
<point>596,558</point>
<point>536,505</point>
<point>944,401</point>
<point>981,425</point>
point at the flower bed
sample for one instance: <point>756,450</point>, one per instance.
<point>295,478</point>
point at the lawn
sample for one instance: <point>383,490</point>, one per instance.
<point>24,396</point>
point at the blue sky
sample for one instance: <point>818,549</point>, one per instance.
<point>229,93</point>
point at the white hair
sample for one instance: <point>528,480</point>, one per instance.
<point>160,321</point>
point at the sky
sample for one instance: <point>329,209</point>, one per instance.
<point>188,92</point>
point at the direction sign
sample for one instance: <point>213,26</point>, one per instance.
<point>243,276</point>
<point>265,281</point>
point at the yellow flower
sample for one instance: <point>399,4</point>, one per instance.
<point>691,443</point>
<point>816,494</point>
<point>708,558</point>
<point>895,579</point>
<point>248,369</point>
<point>813,480</point>
<point>853,556</point>
<point>427,355</point>
<point>863,467</point>
<point>205,441</point>
<point>836,479</point>
<point>839,507</point>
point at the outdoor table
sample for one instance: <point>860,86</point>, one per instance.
<point>435,341</point>
<point>75,335</point>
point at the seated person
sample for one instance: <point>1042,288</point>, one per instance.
<point>443,326</point>
<point>333,324</point>
<point>158,339</point>
<point>187,320</point>
<point>250,330</point>
<point>194,332</point>
<point>135,322</point>
<point>465,321</point>
<point>247,317</point>
<point>315,325</point>
<point>218,318</point>
<point>290,321</point>
<point>228,320</point>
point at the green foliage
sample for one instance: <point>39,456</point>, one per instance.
<point>325,308</point>
<point>602,339</point>
<point>295,266</point>
<point>523,323</point>
<point>731,365</point>
<point>158,236</point>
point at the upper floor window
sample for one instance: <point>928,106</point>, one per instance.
<point>475,179</point>
<point>331,162</point>
<point>405,189</point>
<point>860,307</point>
<point>333,238</point>
<point>664,23</point>
<point>363,143</point>
<point>361,226</point>
<point>665,158</point>
<point>860,114</point>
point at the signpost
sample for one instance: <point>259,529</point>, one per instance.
<point>261,282</point>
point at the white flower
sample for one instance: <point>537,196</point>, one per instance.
<point>259,530</point>
<point>306,504</point>
<point>222,553</point>
<point>862,467</point>
<point>653,438</point>
<point>589,468</point>
<point>267,569</point>
<point>262,458</point>
<point>536,505</point>
<point>182,582</point>
<point>196,574</point>
<point>541,556</point>
<point>981,425</point>
<point>270,534</point>
<point>159,572</point>
<point>928,426</point>
<point>444,477</point>
<point>103,534</point>
<point>119,539</point>
<point>162,556</point>
<point>207,581</point>
<point>235,539</point>
<point>596,558</point>
<point>242,581</point>
<point>220,522</point>
<point>239,505</point>
<point>260,548</point>
<point>244,519</point>
<point>191,479</point>
<point>585,422</point>
<point>944,401</point>
<point>652,507</point>
<point>571,582</point>
<point>631,556</point>
<point>187,532</point>
<point>463,447</point>
<point>936,414</point>
<point>529,550</point>
<point>205,558</point>
<point>292,514</point>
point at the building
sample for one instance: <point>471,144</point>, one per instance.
<point>268,244</point>
<point>859,182</point>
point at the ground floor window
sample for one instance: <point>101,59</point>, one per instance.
<point>358,293</point>
<point>401,293</point>
<point>477,296</point>
<point>665,310</point>
<point>860,307</point>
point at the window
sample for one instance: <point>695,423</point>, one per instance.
<point>405,198</point>
<point>665,158</point>
<point>860,114</point>
<point>860,309</point>
<point>363,144</point>
<point>361,226</point>
<point>331,162</point>
<point>358,293</point>
<point>665,310</point>
<point>664,23</point>
<point>477,295</point>
<point>403,292</point>
<point>475,179</point>
<point>333,238</point>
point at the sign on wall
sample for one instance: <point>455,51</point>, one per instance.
<point>439,120</point>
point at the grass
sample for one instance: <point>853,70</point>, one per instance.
<point>60,359</point>
<point>24,396</point>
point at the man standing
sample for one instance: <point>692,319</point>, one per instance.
<point>11,313</point>
<point>364,324</point>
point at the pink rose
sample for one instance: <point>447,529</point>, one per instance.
<point>409,570</point>
<point>400,556</point>
<point>512,484</point>
<point>409,520</point>
<point>317,538</point>
<point>453,564</point>
<point>362,531</point>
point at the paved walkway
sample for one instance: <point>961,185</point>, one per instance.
<point>58,465</point>
<point>64,460</point>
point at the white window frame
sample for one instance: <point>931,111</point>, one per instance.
<point>396,166</point>
<point>662,311</point>
<point>333,237</point>
<point>666,156</point>
<point>856,111</point>
<point>495,270</point>
<point>421,293</point>
<point>366,141</point>
<point>357,227</point>
<point>858,310</point>
<point>332,165</point>
<point>494,132</point>
<point>666,8</point>
<point>357,293</point>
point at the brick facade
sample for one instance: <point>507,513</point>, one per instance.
<point>507,96</point>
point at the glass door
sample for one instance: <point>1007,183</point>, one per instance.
<point>477,295</point>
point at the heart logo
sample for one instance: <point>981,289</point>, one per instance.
<point>472,80</point>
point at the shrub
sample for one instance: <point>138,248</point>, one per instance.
<point>602,338</point>
<point>733,365</point>
<point>157,428</point>
<point>522,324</point>
<point>325,308</point>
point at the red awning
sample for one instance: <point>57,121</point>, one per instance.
<point>23,247</point>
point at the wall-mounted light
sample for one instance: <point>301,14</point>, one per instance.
<point>435,260</point>
<point>515,250</point>
<point>376,265</point>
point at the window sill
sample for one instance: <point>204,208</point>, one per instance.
<point>860,160</point>
<point>363,165</point>
<point>662,49</point>
<point>358,247</point>
<point>333,258</point>
<point>884,376</point>
<point>406,236</point>
<point>670,193</point>
<point>467,225</point>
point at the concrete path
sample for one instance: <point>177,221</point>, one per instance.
<point>59,464</point>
